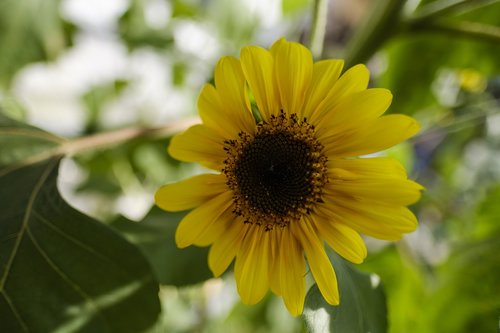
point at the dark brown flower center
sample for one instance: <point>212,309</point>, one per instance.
<point>278,174</point>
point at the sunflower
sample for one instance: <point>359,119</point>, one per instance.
<point>284,135</point>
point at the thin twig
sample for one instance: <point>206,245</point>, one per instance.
<point>109,139</point>
<point>102,141</point>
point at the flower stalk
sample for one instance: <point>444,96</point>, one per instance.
<point>318,28</point>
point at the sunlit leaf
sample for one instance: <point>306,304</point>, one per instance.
<point>20,141</point>
<point>362,306</point>
<point>61,271</point>
<point>292,6</point>
<point>467,292</point>
<point>155,237</point>
<point>488,213</point>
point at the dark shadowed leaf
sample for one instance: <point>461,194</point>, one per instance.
<point>362,306</point>
<point>61,271</point>
<point>155,236</point>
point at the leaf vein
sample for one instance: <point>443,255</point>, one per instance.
<point>24,225</point>
<point>68,237</point>
<point>63,276</point>
<point>14,311</point>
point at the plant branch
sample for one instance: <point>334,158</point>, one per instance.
<point>318,28</point>
<point>102,141</point>
<point>472,30</point>
<point>440,8</point>
<point>113,138</point>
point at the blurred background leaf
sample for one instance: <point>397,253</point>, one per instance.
<point>417,58</point>
<point>31,31</point>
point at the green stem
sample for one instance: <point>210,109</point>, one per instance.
<point>382,23</point>
<point>318,28</point>
<point>472,30</point>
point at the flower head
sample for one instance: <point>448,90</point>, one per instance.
<point>284,135</point>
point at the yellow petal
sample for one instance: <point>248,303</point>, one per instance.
<point>354,111</point>
<point>217,228</point>
<point>293,68</point>
<point>352,81</point>
<point>213,113</point>
<point>383,167</point>
<point>190,192</point>
<point>199,144</point>
<point>292,270</point>
<point>274,267</point>
<point>231,86</point>
<point>386,190</point>
<point>258,67</point>
<point>199,223</point>
<point>226,246</point>
<point>377,220</point>
<point>320,265</point>
<point>342,239</point>
<point>378,135</point>
<point>252,266</point>
<point>325,75</point>
<point>360,223</point>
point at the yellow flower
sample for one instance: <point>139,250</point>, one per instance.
<point>290,181</point>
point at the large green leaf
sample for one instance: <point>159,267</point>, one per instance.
<point>21,142</point>
<point>362,306</point>
<point>155,236</point>
<point>61,271</point>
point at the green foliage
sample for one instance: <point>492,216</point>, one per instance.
<point>468,289</point>
<point>24,142</point>
<point>293,6</point>
<point>136,32</point>
<point>62,271</point>
<point>464,289</point>
<point>31,31</point>
<point>155,236</point>
<point>87,276</point>
<point>488,213</point>
<point>362,303</point>
<point>415,59</point>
